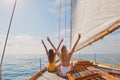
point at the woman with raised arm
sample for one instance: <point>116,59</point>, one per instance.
<point>65,58</point>
<point>51,57</point>
<point>56,49</point>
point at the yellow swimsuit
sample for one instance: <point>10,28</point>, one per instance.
<point>51,66</point>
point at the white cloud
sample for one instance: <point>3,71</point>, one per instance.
<point>108,45</point>
<point>54,9</point>
<point>22,44</point>
<point>57,2</point>
<point>62,33</point>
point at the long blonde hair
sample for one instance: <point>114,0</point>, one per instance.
<point>63,53</point>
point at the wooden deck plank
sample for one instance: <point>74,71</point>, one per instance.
<point>103,74</point>
<point>50,76</point>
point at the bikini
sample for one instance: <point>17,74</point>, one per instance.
<point>51,66</point>
<point>65,70</point>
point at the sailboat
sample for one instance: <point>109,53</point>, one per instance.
<point>93,19</point>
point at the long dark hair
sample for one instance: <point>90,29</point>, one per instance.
<point>51,55</point>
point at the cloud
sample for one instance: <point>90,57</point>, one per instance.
<point>62,33</point>
<point>54,9</point>
<point>26,44</point>
<point>21,44</point>
<point>108,45</point>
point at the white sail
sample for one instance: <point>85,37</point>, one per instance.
<point>91,17</point>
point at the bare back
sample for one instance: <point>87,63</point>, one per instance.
<point>65,57</point>
<point>65,60</point>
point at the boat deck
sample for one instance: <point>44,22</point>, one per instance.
<point>53,76</point>
<point>103,74</point>
<point>85,73</point>
<point>50,76</point>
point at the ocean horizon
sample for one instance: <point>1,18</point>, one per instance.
<point>22,66</point>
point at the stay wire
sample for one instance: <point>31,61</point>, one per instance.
<point>59,19</point>
<point>65,21</point>
<point>3,53</point>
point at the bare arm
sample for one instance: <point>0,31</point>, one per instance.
<point>59,44</point>
<point>51,43</point>
<point>45,47</point>
<point>56,50</point>
<point>59,47</point>
<point>71,52</point>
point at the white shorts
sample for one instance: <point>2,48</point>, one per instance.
<point>64,70</point>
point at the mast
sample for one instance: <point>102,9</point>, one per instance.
<point>71,24</point>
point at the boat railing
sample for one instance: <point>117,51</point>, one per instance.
<point>40,64</point>
<point>105,65</point>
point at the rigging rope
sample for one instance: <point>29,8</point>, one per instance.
<point>65,21</point>
<point>7,38</point>
<point>59,19</point>
<point>71,24</point>
<point>95,57</point>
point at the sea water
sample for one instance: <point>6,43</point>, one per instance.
<point>22,66</point>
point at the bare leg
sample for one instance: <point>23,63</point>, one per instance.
<point>58,70</point>
<point>71,65</point>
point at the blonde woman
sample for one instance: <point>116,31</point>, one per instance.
<point>65,58</point>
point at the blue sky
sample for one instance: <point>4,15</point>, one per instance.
<point>31,17</point>
<point>34,20</point>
